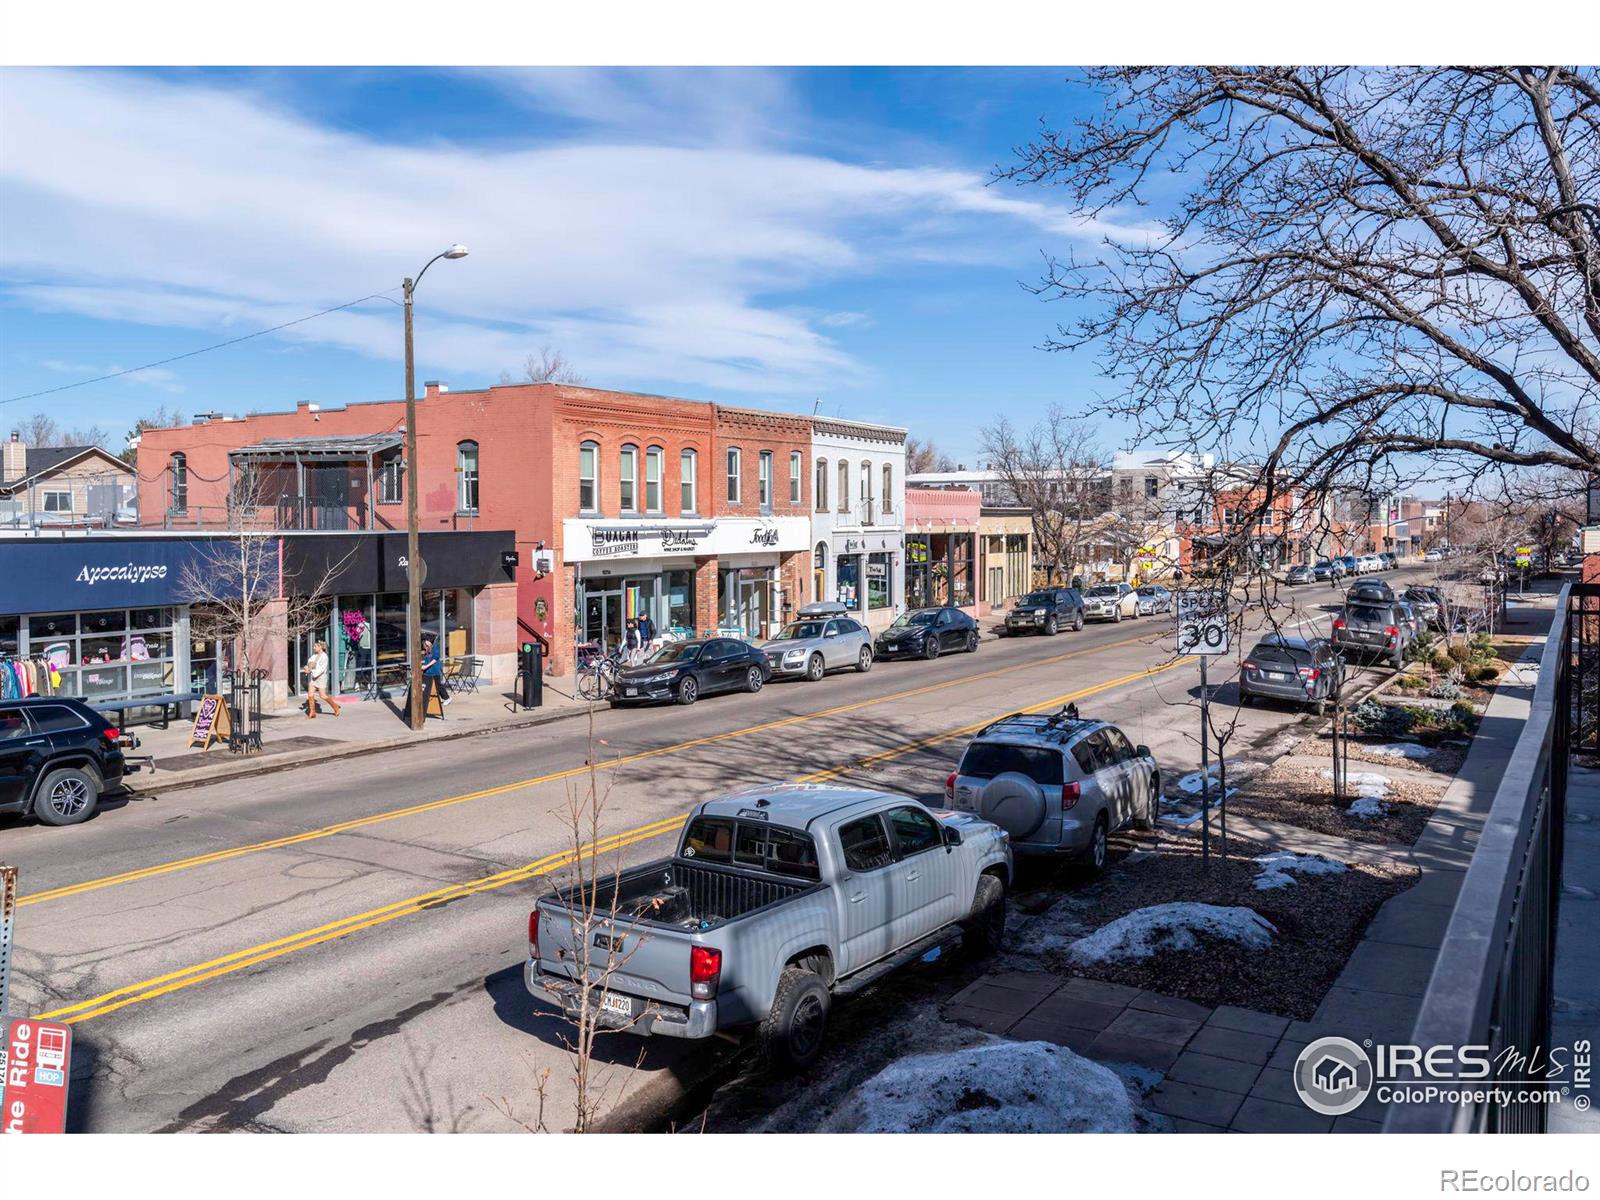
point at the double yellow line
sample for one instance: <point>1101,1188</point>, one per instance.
<point>311,835</point>
<point>174,981</point>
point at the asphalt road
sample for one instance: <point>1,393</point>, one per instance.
<point>338,947</point>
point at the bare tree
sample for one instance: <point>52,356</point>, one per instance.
<point>547,366</point>
<point>923,457</point>
<point>162,418</point>
<point>1055,470</point>
<point>41,429</point>
<point>1369,264</point>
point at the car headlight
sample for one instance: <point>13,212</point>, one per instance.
<point>659,677</point>
<point>793,655</point>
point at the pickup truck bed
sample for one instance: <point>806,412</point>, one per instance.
<point>691,895</point>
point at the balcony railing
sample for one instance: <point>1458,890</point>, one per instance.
<point>1491,984</point>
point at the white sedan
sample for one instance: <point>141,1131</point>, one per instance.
<point>1110,602</point>
<point>1153,598</point>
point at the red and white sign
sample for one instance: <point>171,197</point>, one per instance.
<point>38,1062</point>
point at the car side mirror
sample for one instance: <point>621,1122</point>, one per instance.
<point>1143,751</point>
<point>828,633</point>
<point>952,837</point>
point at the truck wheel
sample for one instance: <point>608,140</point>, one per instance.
<point>66,796</point>
<point>814,668</point>
<point>1050,625</point>
<point>864,660</point>
<point>984,932</point>
<point>792,1034</point>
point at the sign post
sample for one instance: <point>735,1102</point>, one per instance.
<point>1203,631</point>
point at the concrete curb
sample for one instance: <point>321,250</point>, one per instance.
<point>242,768</point>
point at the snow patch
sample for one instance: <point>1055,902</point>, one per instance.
<point>1368,808</point>
<point>1146,932</point>
<point>1278,870</point>
<point>1399,750</point>
<point>1368,784</point>
<point>994,1087</point>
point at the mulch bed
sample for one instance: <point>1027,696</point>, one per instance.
<point>1319,920</point>
<point>1444,759</point>
<point>1295,793</point>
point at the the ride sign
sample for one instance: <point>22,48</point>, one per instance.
<point>1202,621</point>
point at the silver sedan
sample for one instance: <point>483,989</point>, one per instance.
<point>1153,598</point>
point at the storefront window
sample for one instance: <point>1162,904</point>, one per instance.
<point>680,601</point>
<point>389,641</point>
<point>878,590</point>
<point>10,635</point>
<point>110,654</point>
<point>847,590</point>
<point>919,584</point>
<point>744,598</point>
<point>961,572</point>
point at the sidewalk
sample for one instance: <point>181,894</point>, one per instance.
<point>291,739</point>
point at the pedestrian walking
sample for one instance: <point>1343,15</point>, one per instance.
<point>316,673</point>
<point>647,633</point>
<point>433,676</point>
<point>631,643</point>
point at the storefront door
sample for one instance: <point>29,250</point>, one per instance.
<point>753,606</point>
<point>602,618</point>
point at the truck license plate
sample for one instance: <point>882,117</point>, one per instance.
<point>621,1005</point>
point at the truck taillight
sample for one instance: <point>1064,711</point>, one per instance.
<point>533,934</point>
<point>950,786</point>
<point>1069,794</point>
<point>705,972</point>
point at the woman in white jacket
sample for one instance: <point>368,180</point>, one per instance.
<point>316,673</point>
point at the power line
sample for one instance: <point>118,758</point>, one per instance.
<point>204,350</point>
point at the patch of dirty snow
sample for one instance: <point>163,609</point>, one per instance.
<point>1399,750</point>
<point>1193,784</point>
<point>1368,784</point>
<point>1279,870</point>
<point>1146,932</point>
<point>1368,808</point>
<point>994,1087</point>
<point>1182,818</point>
<point>1054,931</point>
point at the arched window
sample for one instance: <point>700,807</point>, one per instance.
<point>844,486</point>
<point>888,489</point>
<point>628,478</point>
<point>653,458</point>
<point>589,477</point>
<point>796,478</point>
<point>178,482</point>
<point>688,466</point>
<point>821,498</point>
<point>467,477</point>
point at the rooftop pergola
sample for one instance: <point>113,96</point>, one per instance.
<point>316,452</point>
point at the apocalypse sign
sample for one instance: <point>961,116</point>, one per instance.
<point>38,1064</point>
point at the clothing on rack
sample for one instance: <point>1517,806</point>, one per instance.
<point>30,675</point>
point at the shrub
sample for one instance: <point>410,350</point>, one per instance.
<point>1486,674</point>
<point>1430,737</point>
<point>1383,720</point>
<point>1446,689</point>
<point>1442,661</point>
<point>1463,712</point>
<point>1420,649</point>
<point>1460,654</point>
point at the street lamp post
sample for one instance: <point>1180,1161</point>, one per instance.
<point>414,564</point>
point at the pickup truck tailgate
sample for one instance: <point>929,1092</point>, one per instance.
<point>651,961</point>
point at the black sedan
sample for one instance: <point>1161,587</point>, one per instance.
<point>684,671</point>
<point>927,633</point>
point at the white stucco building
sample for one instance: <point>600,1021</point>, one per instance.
<point>858,517</point>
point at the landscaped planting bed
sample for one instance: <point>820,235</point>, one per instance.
<point>1299,791</point>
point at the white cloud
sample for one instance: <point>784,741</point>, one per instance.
<point>156,377</point>
<point>160,203</point>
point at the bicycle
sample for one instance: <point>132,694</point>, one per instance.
<point>597,677</point>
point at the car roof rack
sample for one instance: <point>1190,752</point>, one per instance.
<point>1061,724</point>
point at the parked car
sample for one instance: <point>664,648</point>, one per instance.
<point>1327,570</point>
<point>685,671</point>
<point>779,900</point>
<point>1302,670</point>
<point>1110,602</point>
<point>1299,573</point>
<point>1428,603</point>
<point>58,757</point>
<point>1046,611</point>
<point>1350,564</point>
<point>1373,627</point>
<point>927,633</point>
<point>1391,561</point>
<point>1058,784</point>
<point>1409,619</point>
<point>1153,598</point>
<point>1433,556</point>
<point>1370,587</point>
<point>822,640</point>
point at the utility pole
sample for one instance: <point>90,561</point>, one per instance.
<point>415,567</point>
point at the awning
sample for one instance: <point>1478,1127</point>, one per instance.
<point>340,449</point>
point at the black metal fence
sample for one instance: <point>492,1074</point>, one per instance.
<point>1491,984</point>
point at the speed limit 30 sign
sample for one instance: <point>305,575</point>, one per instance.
<point>1202,621</point>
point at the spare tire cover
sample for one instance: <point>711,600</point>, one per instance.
<point>1014,802</point>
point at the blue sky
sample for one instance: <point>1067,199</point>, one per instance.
<point>766,237</point>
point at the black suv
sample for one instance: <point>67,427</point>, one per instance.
<point>1046,611</point>
<point>57,757</point>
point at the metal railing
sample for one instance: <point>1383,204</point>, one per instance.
<point>1492,981</point>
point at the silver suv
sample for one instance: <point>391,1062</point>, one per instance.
<point>1057,784</point>
<point>822,640</point>
<point>1110,602</point>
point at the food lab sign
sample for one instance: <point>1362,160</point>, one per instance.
<point>38,1060</point>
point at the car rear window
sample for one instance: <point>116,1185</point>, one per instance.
<point>985,760</point>
<point>1367,612</point>
<point>56,718</point>
<point>1269,652</point>
<point>12,724</point>
<point>751,844</point>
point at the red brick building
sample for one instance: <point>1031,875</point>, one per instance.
<point>620,503</point>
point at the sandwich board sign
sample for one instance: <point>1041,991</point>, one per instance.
<point>212,722</point>
<point>38,1065</point>
<point>1202,621</point>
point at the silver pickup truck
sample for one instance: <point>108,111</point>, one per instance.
<point>779,899</point>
